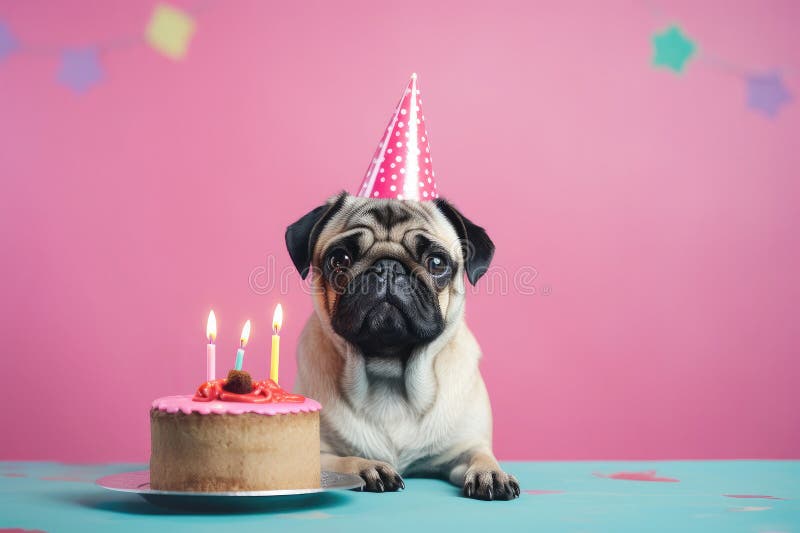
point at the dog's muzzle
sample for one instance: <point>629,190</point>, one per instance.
<point>386,310</point>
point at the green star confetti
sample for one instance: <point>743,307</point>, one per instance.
<point>672,49</point>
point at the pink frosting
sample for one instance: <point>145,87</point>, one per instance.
<point>185,404</point>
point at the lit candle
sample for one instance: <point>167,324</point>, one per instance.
<point>211,348</point>
<point>275,356</point>
<point>242,344</point>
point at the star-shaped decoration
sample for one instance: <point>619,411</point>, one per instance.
<point>80,69</point>
<point>672,49</point>
<point>7,42</point>
<point>170,31</point>
<point>766,93</point>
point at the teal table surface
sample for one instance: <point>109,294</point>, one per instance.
<point>674,496</point>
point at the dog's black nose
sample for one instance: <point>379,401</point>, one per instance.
<point>390,278</point>
<point>389,268</point>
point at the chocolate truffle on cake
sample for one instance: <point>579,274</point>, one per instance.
<point>239,382</point>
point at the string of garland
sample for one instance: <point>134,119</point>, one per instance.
<point>766,91</point>
<point>169,32</point>
<point>170,29</point>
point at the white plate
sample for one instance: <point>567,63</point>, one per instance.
<point>139,483</point>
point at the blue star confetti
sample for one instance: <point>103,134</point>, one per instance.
<point>766,93</point>
<point>7,42</point>
<point>80,69</point>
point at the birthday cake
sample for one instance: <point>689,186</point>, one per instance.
<point>235,434</point>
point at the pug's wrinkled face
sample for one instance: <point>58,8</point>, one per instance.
<point>388,271</point>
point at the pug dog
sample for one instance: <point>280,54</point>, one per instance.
<point>387,350</point>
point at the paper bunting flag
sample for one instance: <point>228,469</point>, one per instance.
<point>80,69</point>
<point>672,49</point>
<point>169,31</point>
<point>766,93</point>
<point>7,42</point>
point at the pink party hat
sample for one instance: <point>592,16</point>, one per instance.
<point>401,167</point>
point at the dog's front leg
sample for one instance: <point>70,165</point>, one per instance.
<point>377,475</point>
<point>481,477</point>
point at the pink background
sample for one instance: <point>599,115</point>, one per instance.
<point>659,212</point>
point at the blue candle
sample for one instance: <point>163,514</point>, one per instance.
<point>242,344</point>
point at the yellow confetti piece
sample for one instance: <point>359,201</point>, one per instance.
<point>169,31</point>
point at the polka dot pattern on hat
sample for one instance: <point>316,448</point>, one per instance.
<point>404,153</point>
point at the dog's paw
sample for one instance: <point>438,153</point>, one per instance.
<point>490,485</point>
<point>380,477</point>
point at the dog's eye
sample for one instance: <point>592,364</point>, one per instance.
<point>339,259</point>
<point>437,265</point>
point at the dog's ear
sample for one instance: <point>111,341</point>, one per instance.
<point>476,246</point>
<point>301,237</point>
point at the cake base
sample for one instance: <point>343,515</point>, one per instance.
<point>234,452</point>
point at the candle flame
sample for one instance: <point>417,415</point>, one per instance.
<point>277,319</point>
<point>211,327</point>
<point>245,334</point>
